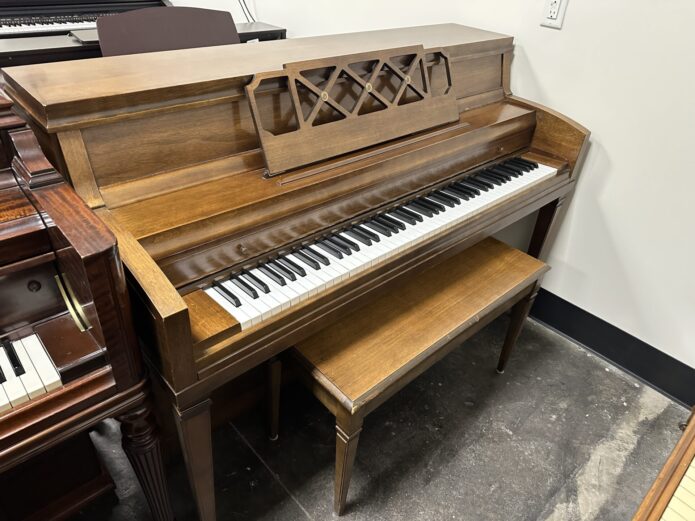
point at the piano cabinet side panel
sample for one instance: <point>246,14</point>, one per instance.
<point>159,313</point>
<point>557,135</point>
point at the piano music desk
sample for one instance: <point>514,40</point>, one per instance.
<point>356,364</point>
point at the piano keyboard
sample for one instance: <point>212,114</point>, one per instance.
<point>35,25</point>
<point>682,504</point>
<point>26,371</point>
<point>255,295</point>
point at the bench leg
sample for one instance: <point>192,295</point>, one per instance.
<point>348,430</point>
<point>274,382</point>
<point>196,444</point>
<point>519,313</point>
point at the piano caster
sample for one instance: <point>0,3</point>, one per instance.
<point>274,438</point>
<point>499,371</point>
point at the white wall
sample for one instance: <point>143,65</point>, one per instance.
<point>624,69</point>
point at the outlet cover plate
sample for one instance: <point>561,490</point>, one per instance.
<point>554,13</point>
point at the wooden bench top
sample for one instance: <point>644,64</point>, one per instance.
<point>385,339</point>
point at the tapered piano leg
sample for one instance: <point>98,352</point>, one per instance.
<point>545,230</point>
<point>196,444</point>
<point>141,445</point>
<point>348,429</point>
<point>274,369</point>
<point>519,314</point>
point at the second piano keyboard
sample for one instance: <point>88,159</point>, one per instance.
<point>26,372</point>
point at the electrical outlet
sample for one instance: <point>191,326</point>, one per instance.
<point>554,13</point>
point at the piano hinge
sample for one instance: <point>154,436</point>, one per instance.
<point>71,302</point>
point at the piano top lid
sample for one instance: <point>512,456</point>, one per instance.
<point>55,93</point>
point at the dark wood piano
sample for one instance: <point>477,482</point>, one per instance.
<point>68,352</point>
<point>263,191</point>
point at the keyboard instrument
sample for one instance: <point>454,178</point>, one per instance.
<point>672,496</point>
<point>68,356</point>
<point>262,192</point>
<point>20,18</point>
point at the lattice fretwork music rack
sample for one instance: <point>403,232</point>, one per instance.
<point>319,109</point>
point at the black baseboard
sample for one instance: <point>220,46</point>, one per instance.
<point>654,367</point>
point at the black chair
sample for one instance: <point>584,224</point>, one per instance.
<point>164,29</point>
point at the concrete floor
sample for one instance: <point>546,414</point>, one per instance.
<point>561,436</point>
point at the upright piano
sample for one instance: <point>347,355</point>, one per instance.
<point>261,192</point>
<point>68,352</point>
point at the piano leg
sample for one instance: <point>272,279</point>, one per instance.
<point>546,228</point>
<point>141,445</point>
<point>195,436</point>
<point>519,313</point>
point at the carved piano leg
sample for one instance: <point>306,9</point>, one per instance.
<point>141,445</point>
<point>547,224</point>
<point>196,444</point>
<point>520,311</point>
<point>347,430</point>
<point>274,368</point>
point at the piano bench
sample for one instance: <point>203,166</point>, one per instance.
<point>356,364</point>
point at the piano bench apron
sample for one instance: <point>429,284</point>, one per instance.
<point>356,364</point>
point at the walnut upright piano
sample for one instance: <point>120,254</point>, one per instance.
<point>241,181</point>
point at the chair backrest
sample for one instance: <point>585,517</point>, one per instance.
<point>164,29</point>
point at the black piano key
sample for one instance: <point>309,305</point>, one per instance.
<point>333,241</point>
<point>251,279</point>
<point>490,178</point>
<point>348,242</point>
<point>442,199</point>
<point>309,261</point>
<point>383,222</point>
<point>462,185</point>
<point>405,217</point>
<point>470,181</point>
<point>3,378</point>
<point>380,228</point>
<point>316,255</point>
<point>395,222</point>
<point>532,164</point>
<point>484,181</point>
<point>358,236</point>
<point>442,192</point>
<point>415,206</point>
<point>513,161</point>
<point>458,192</point>
<point>329,248</point>
<point>499,169</point>
<point>409,213</point>
<point>290,265</point>
<point>432,205</point>
<point>500,174</point>
<point>231,297</point>
<point>272,275</point>
<point>366,231</point>
<point>282,270</point>
<point>14,359</point>
<point>244,286</point>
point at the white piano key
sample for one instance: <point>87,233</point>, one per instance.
<point>13,385</point>
<point>682,509</point>
<point>30,379</point>
<point>239,315</point>
<point>685,495</point>
<point>42,362</point>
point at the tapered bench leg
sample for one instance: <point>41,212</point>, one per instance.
<point>274,382</point>
<point>348,430</point>
<point>520,311</point>
<point>195,435</point>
